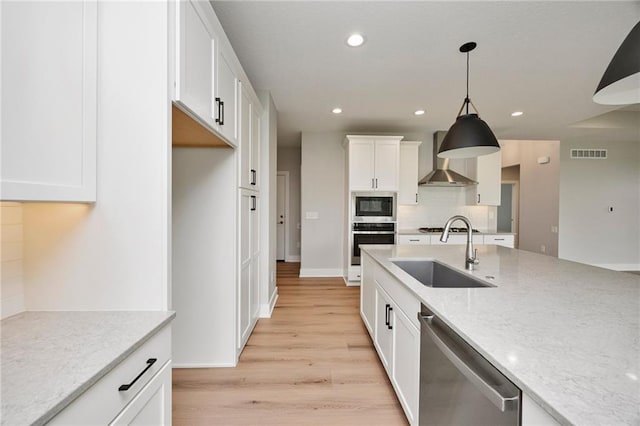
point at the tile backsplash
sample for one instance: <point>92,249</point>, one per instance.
<point>11,238</point>
<point>436,205</point>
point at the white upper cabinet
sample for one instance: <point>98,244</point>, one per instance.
<point>195,50</point>
<point>225,98</point>
<point>486,170</point>
<point>408,193</point>
<point>249,140</point>
<point>374,163</point>
<point>206,85</point>
<point>49,101</point>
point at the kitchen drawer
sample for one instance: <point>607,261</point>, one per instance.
<point>414,239</point>
<point>102,402</point>
<point>506,240</point>
<point>403,298</point>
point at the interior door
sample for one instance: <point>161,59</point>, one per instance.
<point>281,197</point>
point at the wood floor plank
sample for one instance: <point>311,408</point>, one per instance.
<point>311,363</point>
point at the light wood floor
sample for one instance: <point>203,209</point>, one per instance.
<point>311,363</point>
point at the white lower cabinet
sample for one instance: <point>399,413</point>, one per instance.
<point>146,402</point>
<point>387,306</point>
<point>249,261</point>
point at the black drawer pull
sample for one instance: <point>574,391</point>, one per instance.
<point>150,362</point>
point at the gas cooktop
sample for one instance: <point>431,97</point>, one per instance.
<point>440,230</point>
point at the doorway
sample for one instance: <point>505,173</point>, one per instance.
<point>508,209</point>
<point>282,214</point>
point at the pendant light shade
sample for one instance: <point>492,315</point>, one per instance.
<point>469,136</point>
<point>620,84</point>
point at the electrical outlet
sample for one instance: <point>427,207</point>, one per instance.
<point>554,229</point>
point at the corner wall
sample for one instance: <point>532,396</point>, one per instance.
<point>589,232</point>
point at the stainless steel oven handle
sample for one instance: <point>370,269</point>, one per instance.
<point>374,232</point>
<point>503,402</point>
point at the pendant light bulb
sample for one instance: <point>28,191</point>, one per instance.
<point>469,136</point>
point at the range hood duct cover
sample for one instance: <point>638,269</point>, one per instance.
<point>441,174</point>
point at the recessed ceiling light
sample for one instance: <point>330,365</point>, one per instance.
<point>517,113</point>
<point>336,110</point>
<point>355,40</point>
<point>419,112</point>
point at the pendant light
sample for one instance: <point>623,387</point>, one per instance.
<point>620,84</point>
<point>469,136</point>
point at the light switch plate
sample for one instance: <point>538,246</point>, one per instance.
<point>311,215</point>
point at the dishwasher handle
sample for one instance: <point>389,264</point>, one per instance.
<point>471,372</point>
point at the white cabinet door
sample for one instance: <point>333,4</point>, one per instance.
<point>384,329</point>
<point>368,294</point>
<point>361,165</point>
<point>486,170</point>
<point>245,140</point>
<point>414,239</point>
<point>408,191</point>
<point>255,146</point>
<point>225,98</point>
<point>387,165</point>
<point>406,364</point>
<point>49,101</point>
<point>244,284</point>
<point>254,291</point>
<point>506,240</point>
<point>152,406</point>
<point>195,49</point>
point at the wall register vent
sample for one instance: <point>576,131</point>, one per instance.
<point>589,154</point>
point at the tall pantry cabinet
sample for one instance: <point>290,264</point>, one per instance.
<point>217,215</point>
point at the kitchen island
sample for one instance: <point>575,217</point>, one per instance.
<point>567,334</point>
<point>49,359</point>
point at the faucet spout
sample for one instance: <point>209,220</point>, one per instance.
<point>471,257</point>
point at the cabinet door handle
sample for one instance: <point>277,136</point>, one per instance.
<point>413,240</point>
<point>253,203</point>
<point>386,314</point>
<point>389,325</point>
<point>478,198</point>
<point>219,111</point>
<point>253,177</point>
<point>150,362</point>
<point>498,239</point>
<point>416,197</point>
<point>376,183</point>
<point>222,114</point>
<point>373,185</point>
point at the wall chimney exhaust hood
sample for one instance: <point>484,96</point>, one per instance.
<point>441,175</point>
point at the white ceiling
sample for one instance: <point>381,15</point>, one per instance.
<point>544,58</point>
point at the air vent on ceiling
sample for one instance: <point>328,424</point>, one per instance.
<point>589,154</point>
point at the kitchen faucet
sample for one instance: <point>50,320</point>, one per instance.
<point>471,257</point>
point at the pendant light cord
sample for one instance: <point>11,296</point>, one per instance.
<point>466,99</point>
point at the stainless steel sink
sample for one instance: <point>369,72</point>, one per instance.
<point>434,274</point>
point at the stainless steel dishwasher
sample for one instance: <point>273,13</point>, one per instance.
<point>457,385</point>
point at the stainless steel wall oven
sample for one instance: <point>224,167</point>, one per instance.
<point>370,233</point>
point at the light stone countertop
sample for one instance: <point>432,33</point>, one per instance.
<point>51,358</point>
<point>566,333</point>
<point>410,231</point>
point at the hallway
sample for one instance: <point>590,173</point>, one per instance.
<point>312,362</point>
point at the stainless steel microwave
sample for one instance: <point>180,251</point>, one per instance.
<point>373,207</point>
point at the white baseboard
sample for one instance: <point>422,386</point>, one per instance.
<point>204,365</point>
<point>351,283</point>
<point>619,266</point>
<point>292,258</point>
<point>266,309</point>
<point>319,273</point>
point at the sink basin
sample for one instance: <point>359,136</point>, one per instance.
<point>434,274</point>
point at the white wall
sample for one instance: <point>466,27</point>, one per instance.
<point>113,255</point>
<point>11,238</point>
<point>589,232</point>
<point>322,183</point>
<point>538,192</point>
<point>289,161</point>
